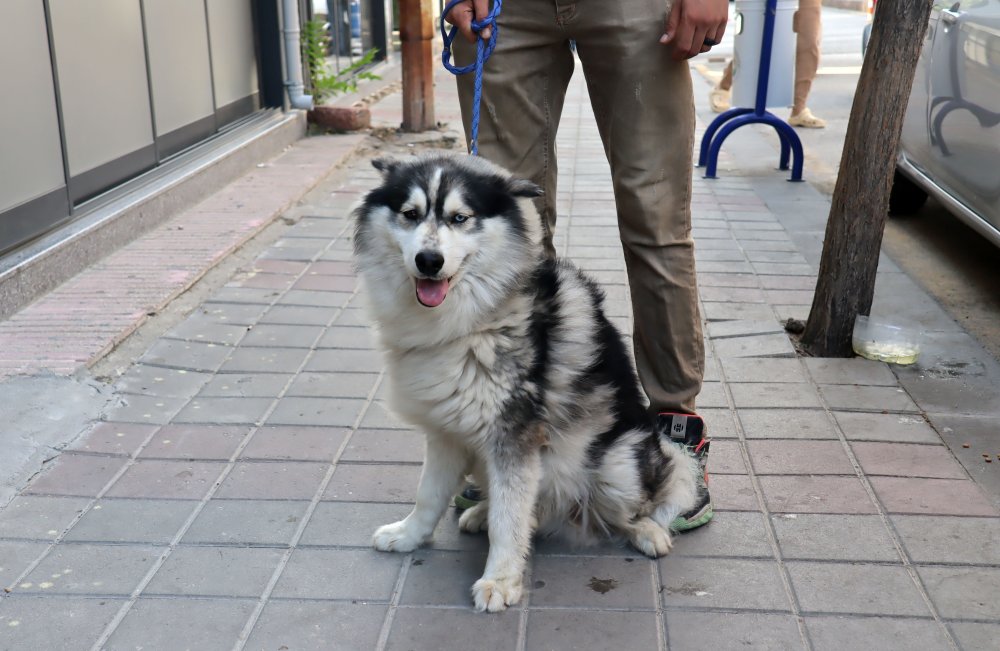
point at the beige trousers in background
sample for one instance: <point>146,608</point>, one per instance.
<point>645,114</point>
<point>806,24</point>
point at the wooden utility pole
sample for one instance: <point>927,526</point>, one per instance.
<point>846,284</point>
<point>416,34</point>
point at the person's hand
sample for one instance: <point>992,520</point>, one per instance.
<point>691,22</point>
<point>462,15</point>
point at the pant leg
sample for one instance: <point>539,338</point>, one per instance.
<point>807,44</point>
<point>524,86</point>
<point>644,107</point>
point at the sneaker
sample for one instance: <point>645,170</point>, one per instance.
<point>806,119</point>
<point>468,498</point>
<point>689,430</point>
<point>720,99</point>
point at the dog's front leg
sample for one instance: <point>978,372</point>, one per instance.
<point>445,465</point>
<point>513,481</point>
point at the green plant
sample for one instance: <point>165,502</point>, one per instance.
<point>325,82</point>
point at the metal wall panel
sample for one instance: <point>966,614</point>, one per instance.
<point>179,63</point>
<point>30,152</point>
<point>101,63</point>
<point>234,64</point>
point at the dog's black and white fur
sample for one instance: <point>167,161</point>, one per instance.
<point>507,362</point>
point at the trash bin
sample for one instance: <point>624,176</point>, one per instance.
<point>749,24</point>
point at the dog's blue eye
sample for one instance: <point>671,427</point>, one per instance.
<point>412,215</point>
<point>459,218</point>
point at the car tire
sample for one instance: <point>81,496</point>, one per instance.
<point>906,196</point>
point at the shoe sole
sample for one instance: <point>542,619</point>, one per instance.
<point>462,503</point>
<point>702,517</point>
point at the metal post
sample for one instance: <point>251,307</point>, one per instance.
<point>415,35</point>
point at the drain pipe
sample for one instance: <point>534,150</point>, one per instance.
<point>293,56</point>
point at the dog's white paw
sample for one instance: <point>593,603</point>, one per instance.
<point>475,519</point>
<point>495,594</point>
<point>396,537</point>
<point>651,539</point>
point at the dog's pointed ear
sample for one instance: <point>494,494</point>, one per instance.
<point>525,188</point>
<point>385,164</point>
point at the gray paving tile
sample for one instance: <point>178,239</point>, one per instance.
<point>730,533</point>
<point>300,315</point>
<point>834,537</point>
<point>943,539</point>
<point>41,518</point>
<point>752,369</point>
<point>386,446</point>
<point>284,336</point>
<point>251,295</point>
<point>759,312</point>
<point>728,280</point>
<point>562,629</point>
<point>773,395</point>
<point>57,623</point>
<point>15,557</point>
<point>867,398</point>
<point>837,633</point>
<point>786,424</point>
<point>164,479</point>
<point>247,359</point>
<point>963,592</point>
<point>245,385</point>
<point>799,494</point>
<point>224,410</point>
<point>712,395</point>
<point>783,268</point>
<point>855,370</point>
<point>726,458</point>
<point>195,442</point>
<point>362,575</point>
<point>332,385</point>
<point>246,522</point>
<point>209,572</point>
<point>731,294</point>
<point>379,416</point>
<point>738,265</point>
<point>932,496</point>
<point>145,409</point>
<point>207,624</point>
<point>373,483</point>
<point>337,360</point>
<point>350,524</point>
<point>327,412</point>
<point>442,578</point>
<point>720,423</point>
<point>317,626</point>
<point>694,631</point>
<point>780,457</point>
<point>907,459</point>
<point>113,438</point>
<point>132,521</point>
<point>295,443</point>
<point>722,583</point>
<point>901,428</point>
<point>787,282</point>
<point>433,629</point>
<point>733,493</point>
<point>856,588</point>
<point>976,636</point>
<point>207,329</point>
<point>90,569</point>
<point>232,314</point>
<point>158,381</point>
<point>310,298</point>
<point>347,337</point>
<point>353,317</point>
<point>189,355</point>
<point>282,480</point>
<point>594,582</point>
<point>75,474</point>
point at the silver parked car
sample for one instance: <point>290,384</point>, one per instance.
<point>950,144</point>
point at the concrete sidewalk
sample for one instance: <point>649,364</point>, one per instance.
<point>229,499</point>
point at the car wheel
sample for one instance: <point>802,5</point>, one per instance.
<point>906,196</point>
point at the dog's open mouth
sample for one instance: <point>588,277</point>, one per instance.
<point>430,292</point>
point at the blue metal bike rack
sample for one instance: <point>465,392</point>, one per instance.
<point>734,118</point>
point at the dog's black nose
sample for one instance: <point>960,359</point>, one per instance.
<point>429,262</point>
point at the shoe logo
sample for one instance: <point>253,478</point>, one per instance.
<point>678,427</point>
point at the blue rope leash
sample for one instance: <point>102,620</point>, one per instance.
<point>483,51</point>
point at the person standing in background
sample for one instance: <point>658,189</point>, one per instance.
<point>808,29</point>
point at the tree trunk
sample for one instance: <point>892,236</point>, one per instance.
<point>416,34</point>
<point>846,283</point>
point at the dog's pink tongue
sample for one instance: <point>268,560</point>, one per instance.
<point>431,293</point>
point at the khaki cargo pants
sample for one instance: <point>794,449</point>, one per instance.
<point>645,113</point>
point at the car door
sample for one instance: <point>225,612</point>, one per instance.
<point>963,105</point>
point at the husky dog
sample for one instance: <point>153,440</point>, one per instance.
<point>506,361</point>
